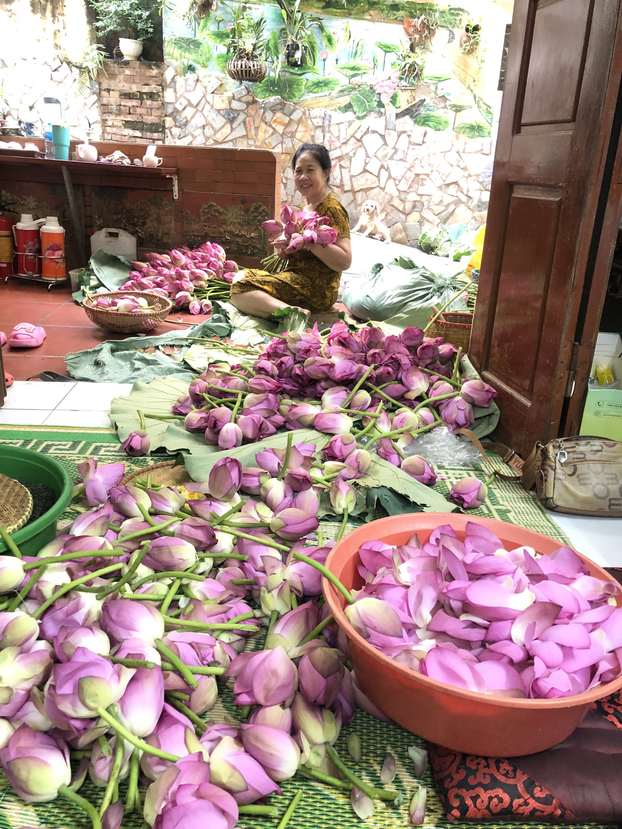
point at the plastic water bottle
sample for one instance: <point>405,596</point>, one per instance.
<point>48,142</point>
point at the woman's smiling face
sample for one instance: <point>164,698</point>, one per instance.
<point>310,179</point>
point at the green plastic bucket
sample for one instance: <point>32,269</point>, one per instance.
<point>32,467</point>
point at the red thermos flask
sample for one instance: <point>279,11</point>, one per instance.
<point>28,245</point>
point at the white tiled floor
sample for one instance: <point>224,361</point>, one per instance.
<point>61,404</point>
<point>88,405</point>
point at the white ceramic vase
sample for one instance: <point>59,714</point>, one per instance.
<point>131,49</point>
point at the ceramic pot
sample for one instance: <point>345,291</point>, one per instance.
<point>131,49</point>
<point>86,152</point>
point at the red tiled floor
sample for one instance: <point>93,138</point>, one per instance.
<point>67,327</point>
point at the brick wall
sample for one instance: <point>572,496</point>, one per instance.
<point>132,101</point>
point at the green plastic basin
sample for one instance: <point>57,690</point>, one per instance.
<point>33,467</point>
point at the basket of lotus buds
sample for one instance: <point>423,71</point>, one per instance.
<point>127,312</point>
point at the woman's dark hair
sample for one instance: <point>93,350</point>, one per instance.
<point>319,153</point>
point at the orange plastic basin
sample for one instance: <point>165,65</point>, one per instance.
<point>458,719</point>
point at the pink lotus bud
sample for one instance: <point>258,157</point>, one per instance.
<point>176,257</point>
<point>273,749</point>
<point>94,523</point>
<point>225,478</point>
<point>194,307</point>
<point>469,493</point>
<point>166,500</point>
<point>36,765</point>
<point>79,687</point>
<point>339,447</point>
<point>125,499</point>
<point>333,398</point>
<point>457,414</point>
<point>100,766</point>
<point>142,702</point>
<point>388,452</point>
<point>478,393</point>
<point>206,306</point>
<point>263,677</point>
<point>298,479</point>
<point>168,553</point>
<point>415,381</point>
<point>333,423</point>
<point>356,464</point>
<point>123,620</point>
<point>272,226</point>
<point>275,716</point>
<point>292,524</point>
<point>253,478</point>
<point>287,214</point>
<point>11,573</point>
<point>181,298</point>
<point>17,630</point>
<point>317,725</point>
<point>369,616</point>
<point>296,243</point>
<point>411,337</point>
<point>276,494</point>
<point>446,353</point>
<point>174,734</point>
<point>320,673</point>
<point>230,436</point>
<point>418,468</point>
<point>99,480</point>
<point>197,531</point>
<point>440,389</point>
<point>427,352</point>
<point>309,236</point>
<point>90,637</point>
<point>233,769</point>
<point>196,421</point>
<point>342,496</point>
<point>326,235</point>
<point>301,416</point>
<point>292,627</point>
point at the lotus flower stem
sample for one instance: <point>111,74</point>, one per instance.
<point>290,811</point>
<point>288,449</point>
<point>316,631</point>
<point>386,396</point>
<point>176,574</point>
<point>327,479</point>
<point>273,620</point>
<point>83,804</point>
<point>359,412</point>
<point>455,375</point>
<point>435,373</point>
<point>67,587</point>
<point>132,663</point>
<point>245,525</point>
<point>144,597</point>
<point>242,617</point>
<point>26,588</point>
<point>32,565</point>
<point>137,558</point>
<point>187,712</point>
<point>320,538</point>
<point>327,575</point>
<point>358,385</point>
<point>236,556</point>
<point>179,665</point>
<point>208,626</point>
<point>344,785</point>
<point>170,596</point>
<point>150,530</point>
<point>370,791</point>
<point>11,545</point>
<point>228,514</point>
<point>114,775</point>
<point>145,514</point>
<point>403,431</point>
<point>258,811</point>
<point>243,581</point>
<point>267,542</point>
<point>133,793</point>
<point>435,400</point>
<point>371,424</point>
<point>397,449</point>
<point>105,746</point>
<point>135,741</point>
<point>342,528</point>
<point>202,670</point>
<point>178,695</point>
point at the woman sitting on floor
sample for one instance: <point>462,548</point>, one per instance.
<point>311,279</point>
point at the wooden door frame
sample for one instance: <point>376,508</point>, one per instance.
<point>581,269</point>
<point>600,254</point>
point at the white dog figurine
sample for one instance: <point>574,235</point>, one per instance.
<point>370,222</point>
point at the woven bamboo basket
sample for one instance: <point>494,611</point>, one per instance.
<point>163,474</point>
<point>454,327</point>
<point>245,69</point>
<point>16,504</point>
<point>150,318</point>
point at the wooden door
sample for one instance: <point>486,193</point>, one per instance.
<point>554,128</point>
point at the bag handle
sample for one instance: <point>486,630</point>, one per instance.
<point>526,469</point>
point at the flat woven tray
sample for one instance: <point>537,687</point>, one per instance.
<point>163,474</point>
<point>15,505</point>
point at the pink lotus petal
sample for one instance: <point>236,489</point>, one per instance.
<point>571,636</point>
<point>549,652</point>
<point>500,679</point>
<point>447,666</point>
<point>540,616</point>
